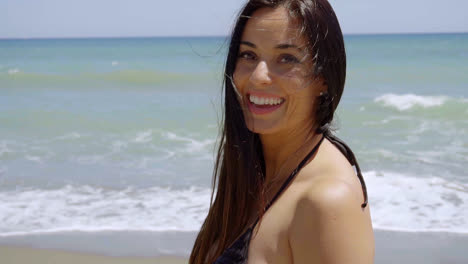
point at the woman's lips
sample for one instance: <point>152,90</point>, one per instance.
<point>262,105</point>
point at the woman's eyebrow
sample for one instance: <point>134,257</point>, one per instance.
<point>279,46</point>
<point>250,44</point>
<point>288,46</point>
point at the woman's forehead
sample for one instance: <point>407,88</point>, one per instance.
<point>272,26</point>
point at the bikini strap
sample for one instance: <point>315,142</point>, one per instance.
<point>348,153</point>
<point>291,176</point>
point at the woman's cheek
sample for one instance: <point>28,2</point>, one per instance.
<point>240,76</point>
<point>237,83</point>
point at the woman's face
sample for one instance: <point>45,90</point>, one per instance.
<point>273,74</point>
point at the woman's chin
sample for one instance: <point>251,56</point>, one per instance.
<point>263,127</point>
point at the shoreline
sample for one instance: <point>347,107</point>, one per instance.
<point>174,248</point>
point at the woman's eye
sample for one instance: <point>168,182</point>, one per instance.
<point>247,55</point>
<point>287,58</point>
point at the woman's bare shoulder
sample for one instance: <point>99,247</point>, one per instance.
<point>329,224</point>
<point>328,221</point>
<point>330,177</point>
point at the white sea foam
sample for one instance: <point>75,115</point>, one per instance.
<point>13,71</point>
<point>119,145</point>
<point>4,148</point>
<point>115,63</point>
<point>144,137</point>
<point>407,101</point>
<point>33,158</point>
<point>408,203</point>
<point>87,208</point>
<point>397,202</point>
<point>432,157</point>
<point>387,120</point>
<point>192,146</point>
<point>72,135</point>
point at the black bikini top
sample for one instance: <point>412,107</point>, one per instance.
<point>238,251</point>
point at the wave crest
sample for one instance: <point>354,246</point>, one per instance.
<point>408,101</point>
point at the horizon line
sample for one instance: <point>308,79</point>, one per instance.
<point>217,36</point>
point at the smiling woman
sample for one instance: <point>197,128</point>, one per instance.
<point>286,189</point>
<point>272,73</point>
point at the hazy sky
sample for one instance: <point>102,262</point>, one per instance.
<point>105,18</point>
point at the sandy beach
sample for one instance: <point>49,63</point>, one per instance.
<point>424,248</point>
<point>391,248</point>
<point>23,255</point>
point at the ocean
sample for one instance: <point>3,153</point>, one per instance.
<point>118,135</point>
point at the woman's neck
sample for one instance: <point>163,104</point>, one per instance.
<point>282,151</point>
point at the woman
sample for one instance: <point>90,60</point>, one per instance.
<point>286,189</point>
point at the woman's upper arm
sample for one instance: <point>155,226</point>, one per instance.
<point>330,227</point>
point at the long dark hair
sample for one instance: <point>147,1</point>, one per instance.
<point>239,170</point>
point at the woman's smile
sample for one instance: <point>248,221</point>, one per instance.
<point>260,104</point>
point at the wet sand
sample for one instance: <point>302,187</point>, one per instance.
<point>24,255</point>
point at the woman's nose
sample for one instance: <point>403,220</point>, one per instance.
<point>261,74</point>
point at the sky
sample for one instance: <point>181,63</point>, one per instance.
<point>127,18</point>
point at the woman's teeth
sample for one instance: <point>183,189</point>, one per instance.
<point>264,100</point>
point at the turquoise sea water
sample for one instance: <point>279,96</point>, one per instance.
<point>119,134</point>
